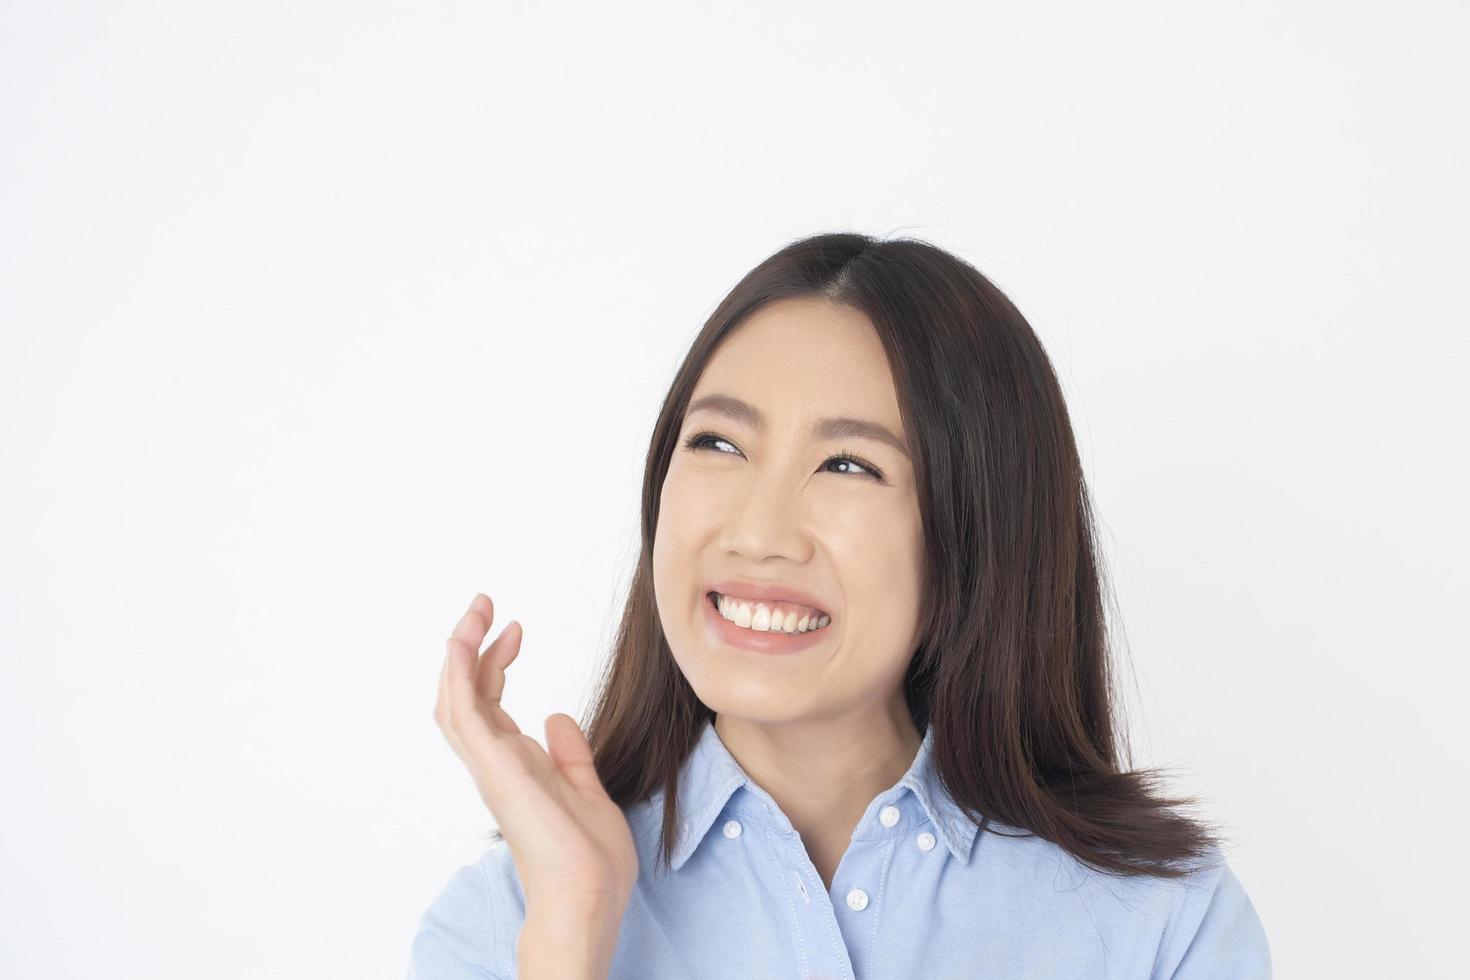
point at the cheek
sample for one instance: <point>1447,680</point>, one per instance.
<point>689,508</point>
<point>682,517</point>
<point>880,558</point>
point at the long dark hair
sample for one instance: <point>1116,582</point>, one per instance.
<point>1013,666</point>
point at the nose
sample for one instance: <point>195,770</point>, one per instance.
<point>767,520</point>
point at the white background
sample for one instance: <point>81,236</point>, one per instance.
<point>318,318</point>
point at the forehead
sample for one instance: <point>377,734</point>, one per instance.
<point>805,357</point>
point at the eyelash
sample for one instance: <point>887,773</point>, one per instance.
<point>698,441</point>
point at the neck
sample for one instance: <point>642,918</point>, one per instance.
<point>824,772</point>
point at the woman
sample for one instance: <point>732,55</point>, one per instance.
<point>858,721</point>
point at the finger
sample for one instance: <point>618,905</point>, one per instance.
<point>475,622</point>
<point>507,655</point>
<point>459,681</point>
<point>441,708</point>
<point>442,714</point>
<point>468,632</point>
<point>464,632</point>
<point>572,754</point>
<point>490,681</point>
<point>440,701</point>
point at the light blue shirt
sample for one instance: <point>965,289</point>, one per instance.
<point>920,892</point>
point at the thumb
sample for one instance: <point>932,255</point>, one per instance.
<point>571,753</point>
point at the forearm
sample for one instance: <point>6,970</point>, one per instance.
<point>566,947</point>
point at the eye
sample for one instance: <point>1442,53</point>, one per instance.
<point>702,440</point>
<point>857,461</point>
<point>699,440</point>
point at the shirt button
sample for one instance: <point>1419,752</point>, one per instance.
<point>888,816</point>
<point>857,899</point>
<point>732,828</point>
<point>925,841</point>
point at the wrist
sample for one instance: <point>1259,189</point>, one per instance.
<point>567,944</point>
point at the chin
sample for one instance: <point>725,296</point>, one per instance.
<point>746,698</point>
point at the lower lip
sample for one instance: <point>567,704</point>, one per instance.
<point>757,640</point>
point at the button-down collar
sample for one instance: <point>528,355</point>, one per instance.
<point>710,776</point>
<point>747,900</point>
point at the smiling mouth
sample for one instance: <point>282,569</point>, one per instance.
<point>768,617</point>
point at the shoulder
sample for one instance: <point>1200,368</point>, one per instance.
<point>1196,926</point>
<point>470,927</point>
<point>1214,930</point>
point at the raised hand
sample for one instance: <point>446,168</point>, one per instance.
<point>572,846</point>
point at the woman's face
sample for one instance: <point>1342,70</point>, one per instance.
<point>766,503</point>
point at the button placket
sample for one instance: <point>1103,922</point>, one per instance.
<point>857,898</point>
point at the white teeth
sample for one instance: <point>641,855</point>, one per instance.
<point>760,617</point>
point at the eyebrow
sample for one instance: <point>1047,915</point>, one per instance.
<point>840,427</point>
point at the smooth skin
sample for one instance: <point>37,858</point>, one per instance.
<point>571,843</point>
<point>825,730</point>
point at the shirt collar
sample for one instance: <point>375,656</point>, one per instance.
<point>710,776</point>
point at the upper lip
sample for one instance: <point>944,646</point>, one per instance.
<point>746,588</point>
